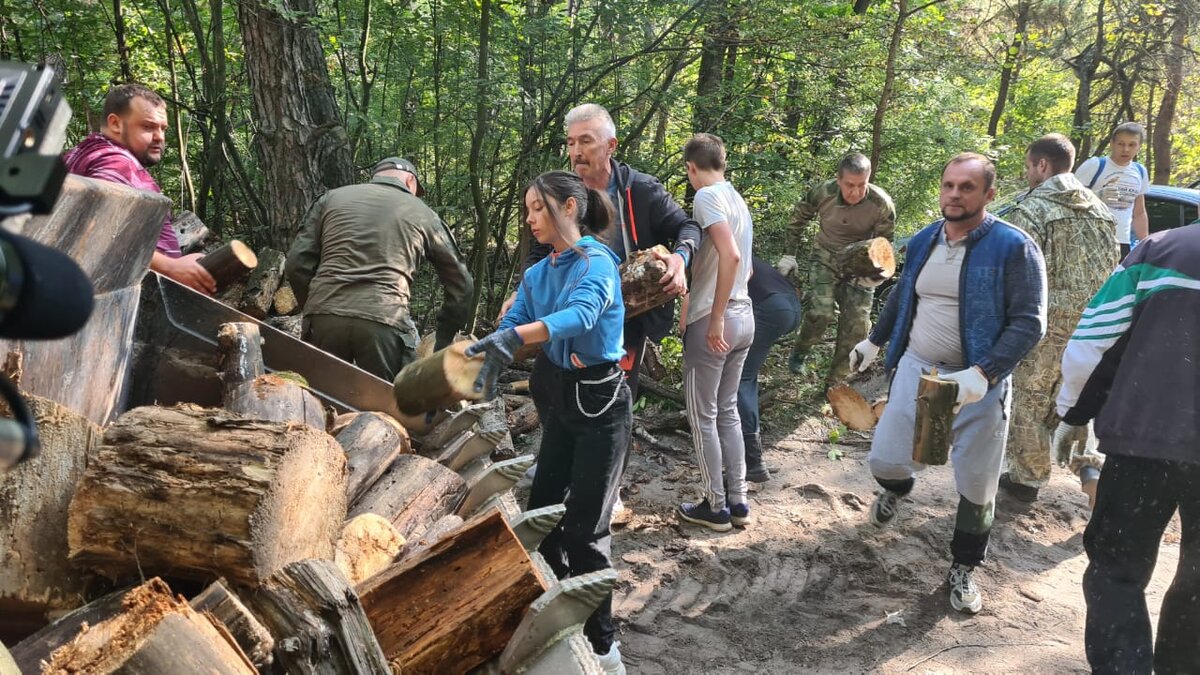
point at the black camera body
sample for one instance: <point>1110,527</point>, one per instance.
<point>33,126</point>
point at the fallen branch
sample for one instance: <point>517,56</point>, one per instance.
<point>978,645</point>
<point>660,390</point>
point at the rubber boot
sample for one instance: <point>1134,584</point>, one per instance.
<point>756,471</point>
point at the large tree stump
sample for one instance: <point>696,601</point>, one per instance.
<point>154,633</point>
<point>220,603</point>
<point>452,607</point>
<point>413,494</point>
<point>200,493</point>
<point>318,623</point>
<point>262,397</point>
<point>372,441</point>
<point>641,275</point>
<point>369,543</point>
<point>262,283</point>
<point>35,577</point>
<point>851,408</point>
<point>435,382</point>
<point>869,259</point>
<point>229,264</point>
<point>932,435</point>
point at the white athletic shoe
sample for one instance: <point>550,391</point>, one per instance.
<point>611,662</point>
<point>964,594</point>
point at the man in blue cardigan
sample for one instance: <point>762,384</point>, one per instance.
<point>970,302</point>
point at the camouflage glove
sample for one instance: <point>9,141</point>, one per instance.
<point>1067,438</point>
<point>498,350</point>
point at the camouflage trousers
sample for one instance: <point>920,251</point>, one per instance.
<point>827,296</point>
<point>1035,384</point>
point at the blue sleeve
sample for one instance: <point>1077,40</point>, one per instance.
<point>519,313</point>
<point>1025,311</point>
<point>596,290</point>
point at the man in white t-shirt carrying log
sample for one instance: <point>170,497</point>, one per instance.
<point>1121,183</point>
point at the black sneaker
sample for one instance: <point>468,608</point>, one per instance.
<point>703,514</point>
<point>1024,493</point>
<point>739,514</point>
<point>883,511</point>
<point>758,474</point>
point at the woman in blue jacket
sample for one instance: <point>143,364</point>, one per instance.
<point>571,302</point>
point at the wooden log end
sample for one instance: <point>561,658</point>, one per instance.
<point>368,544</point>
<point>851,408</point>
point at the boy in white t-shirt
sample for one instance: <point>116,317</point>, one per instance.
<point>720,329</point>
<point>1121,183</point>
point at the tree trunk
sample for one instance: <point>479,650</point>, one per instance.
<point>34,497</point>
<point>372,442</point>
<point>229,264</point>
<point>301,143</point>
<point>640,287</point>
<point>412,495</point>
<point>455,605</point>
<point>483,223</point>
<point>249,633</point>
<point>1085,66</point>
<point>368,545</point>
<point>935,417</point>
<point>318,622</point>
<point>154,633</point>
<point>435,382</point>
<point>262,283</point>
<point>1012,57</point>
<point>197,494</point>
<point>889,84</point>
<point>1164,122</point>
<point>122,47</point>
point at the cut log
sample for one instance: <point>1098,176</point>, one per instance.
<point>437,381</point>
<point>262,283</point>
<point>640,281</point>
<point>154,633</point>
<point>339,423</point>
<point>291,325</point>
<point>454,606</point>
<point>229,264</point>
<point>870,259</point>
<point>201,493</point>
<point>36,580</point>
<point>435,533</point>
<point>523,420</point>
<point>248,391</point>
<point>661,390</point>
<point>851,408</point>
<point>318,623</point>
<point>413,494</point>
<point>190,231</point>
<point>878,407</point>
<point>427,343</point>
<point>220,603</point>
<point>239,350</point>
<point>369,543</point>
<point>33,650</point>
<point>932,435</point>
<point>285,303</point>
<point>372,441</point>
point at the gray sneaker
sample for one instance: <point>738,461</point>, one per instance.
<point>964,594</point>
<point>883,511</point>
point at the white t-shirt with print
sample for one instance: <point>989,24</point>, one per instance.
<point>1118,187</point>
<point>713,204</point>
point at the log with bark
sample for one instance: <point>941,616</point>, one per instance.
<point>641,275</point>
<point>30,652</point>
<point>455,605</point>
<point>317,621</point>
<point>35,578</point>
<point>229,264</point>
<point>432,535</point>
<point>154,632</point>
<point>291,325</point>
<point>285,303</point>
<point>851,408</point>
<point>413,494</point>
<point>223,605</point>
<point>870,259</point>
<point>523,420</point>
<point>202,493</point>
<point>249,392</point>
<point>264,279</point>
<point>932,436</point>
<point>190,231</point>
<point>437,381</point>
<point>372,441</point>
<point>369,543</point>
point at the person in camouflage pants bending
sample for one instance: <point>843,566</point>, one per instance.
<point>849,209</point>
<point>1075,232</point>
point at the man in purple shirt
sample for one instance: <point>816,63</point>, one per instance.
<point>132,139</point>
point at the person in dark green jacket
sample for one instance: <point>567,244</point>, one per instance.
<point>353,263</point>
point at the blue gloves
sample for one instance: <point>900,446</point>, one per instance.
<point>498,350</point>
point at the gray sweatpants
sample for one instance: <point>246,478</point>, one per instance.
<point>710,386</point>
<point>980,431</point>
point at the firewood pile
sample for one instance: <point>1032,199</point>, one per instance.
<point>273,535</point>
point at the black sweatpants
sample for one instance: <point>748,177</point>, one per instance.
<point>587,418</point>
<point>1135,501</point>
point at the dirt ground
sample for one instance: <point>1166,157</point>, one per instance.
<point>810,586</point>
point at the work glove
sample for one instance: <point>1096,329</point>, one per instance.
<point>787,264</point>
<point>498,350</point>
<point>867,282</point>
<point>862,355</point>
<point>1068,439</point>
<point>972,386</point>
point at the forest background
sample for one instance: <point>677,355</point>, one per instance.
<point>272,102</point>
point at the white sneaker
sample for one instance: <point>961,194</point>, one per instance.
<point>611,662</point>
<point>964,594</point>
<point>618,506</point>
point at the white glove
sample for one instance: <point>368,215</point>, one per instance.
<point>1068,440</point>
<point>972,386</point>
<point>862,355</point>
<point>787,264</point>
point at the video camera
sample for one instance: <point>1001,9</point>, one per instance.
<point>43,293</point>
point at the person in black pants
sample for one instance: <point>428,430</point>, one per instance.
<point>1133,364</point>
<point>776,313</point>
<point>571,301</point>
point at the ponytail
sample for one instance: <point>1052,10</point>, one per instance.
<point>598,216</point>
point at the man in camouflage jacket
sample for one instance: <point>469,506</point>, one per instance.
<point>849,209</point>
<point>1075,232</point>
